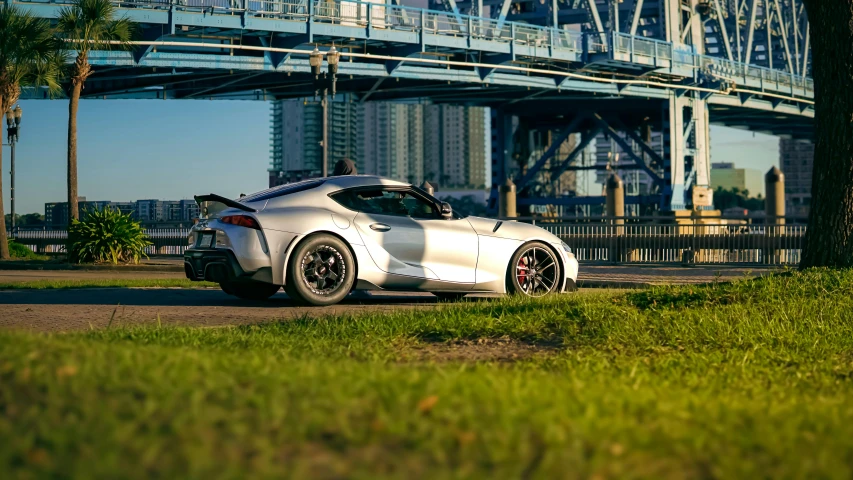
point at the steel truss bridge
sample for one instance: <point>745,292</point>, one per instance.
<point>622,67</point>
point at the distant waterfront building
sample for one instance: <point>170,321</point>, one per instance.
<point>726,176</point>
<point>147,211</point>
<point>796,159</point>
<point>56,213</point>
<point>446,145</point>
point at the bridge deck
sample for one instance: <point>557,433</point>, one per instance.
<point>259,49</point>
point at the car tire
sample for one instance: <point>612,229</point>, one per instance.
<point>250,290</point>
<point>449,296</point>
<point>321,271</point>
<point>543,278</point>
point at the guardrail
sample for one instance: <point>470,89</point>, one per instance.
<point>592,240</point>
<point>375,15</point>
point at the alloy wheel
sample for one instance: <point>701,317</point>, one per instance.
<point>536,272</point>
<point>323,270</point>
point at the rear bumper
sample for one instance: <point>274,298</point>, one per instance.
<point>212,265</point>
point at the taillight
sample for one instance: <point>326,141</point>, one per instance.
<point>241,221</point>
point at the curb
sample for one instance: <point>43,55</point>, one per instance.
<point>614,284</point>
<point>92,268</point>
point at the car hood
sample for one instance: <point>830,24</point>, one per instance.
<point>510,229</point>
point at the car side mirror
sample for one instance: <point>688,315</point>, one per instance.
<point>446,210</point>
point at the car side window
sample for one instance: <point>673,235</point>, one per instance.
<point>386,202</point>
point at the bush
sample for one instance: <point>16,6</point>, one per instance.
<point>106,236</point>
<point>16,250</point>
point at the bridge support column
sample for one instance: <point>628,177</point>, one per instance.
<point>615,209</point>
<point>774,192</point>
<point>501,143</point>
<point>686,144</point>
<point>774,204</point>
<point>507,205</point>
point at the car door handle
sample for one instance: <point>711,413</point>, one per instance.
<point>380,227</point>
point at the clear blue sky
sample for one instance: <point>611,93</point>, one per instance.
<point>173,149</point>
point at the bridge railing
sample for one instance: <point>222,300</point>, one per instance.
<point>742,73</point>
<point>636,241</point>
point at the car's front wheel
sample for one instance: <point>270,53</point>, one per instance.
<point>534,271</point>
<point>321,271</point>
<point>250,290</point>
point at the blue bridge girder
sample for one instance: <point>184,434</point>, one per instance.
<point>248,49</point>
<point>378,40</point>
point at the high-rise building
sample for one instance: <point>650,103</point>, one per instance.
<point>446,145</point>
<point>391,140</point>
<point>796,159</point>
<point>296,137</point>
<point>456,146</point>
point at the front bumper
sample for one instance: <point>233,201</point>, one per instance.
<point>212,265</point>
<point>571,269</point>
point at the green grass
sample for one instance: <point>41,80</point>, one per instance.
<point>106,283</point>
<point>746,380</point>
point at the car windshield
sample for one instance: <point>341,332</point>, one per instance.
<point>281,190</point>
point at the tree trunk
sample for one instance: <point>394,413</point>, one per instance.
<point>829,238</point>
<point>4,242</point>
<point>73,212</point>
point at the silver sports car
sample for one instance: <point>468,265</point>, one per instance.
<point>323,238</point>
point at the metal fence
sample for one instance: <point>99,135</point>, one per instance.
<point>165,241</point>
<point>691,243</point>
<point>634,240</point>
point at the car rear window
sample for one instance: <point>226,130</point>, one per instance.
<point>282,190</point>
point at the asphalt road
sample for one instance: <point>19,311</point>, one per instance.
<point>74,309</point>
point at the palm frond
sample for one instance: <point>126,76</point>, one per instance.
<point>30,55</point>
<point>91,25</point>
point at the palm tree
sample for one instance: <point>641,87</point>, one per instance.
<point>87,25</point>
<point>29,55</point>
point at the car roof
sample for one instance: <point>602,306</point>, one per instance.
<point>346,181</point>
<point>328,183</point>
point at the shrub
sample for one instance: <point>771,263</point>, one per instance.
<point>106,235</point>
<point>16,250</point>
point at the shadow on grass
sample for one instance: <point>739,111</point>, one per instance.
<point>178,297</point>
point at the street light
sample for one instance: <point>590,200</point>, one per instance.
<point>315,59</point>
<point>333,56</point>
<point>13,124</point>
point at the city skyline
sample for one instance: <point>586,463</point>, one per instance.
<point>226,153</point>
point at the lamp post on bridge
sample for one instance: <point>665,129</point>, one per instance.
<point>315,60</point>
<point>13,124</point>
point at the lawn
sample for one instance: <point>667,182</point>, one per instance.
<point>746,380</point>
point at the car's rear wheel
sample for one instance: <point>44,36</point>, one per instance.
<point>321,271</point>
<point>449,296</point>
<point>250,290</point>
<point>534,271</point>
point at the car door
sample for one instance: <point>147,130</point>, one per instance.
<point>405,234</point>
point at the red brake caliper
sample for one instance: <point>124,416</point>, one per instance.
<point>522,270</point>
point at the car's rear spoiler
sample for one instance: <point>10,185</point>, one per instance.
<point>204,200</point>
